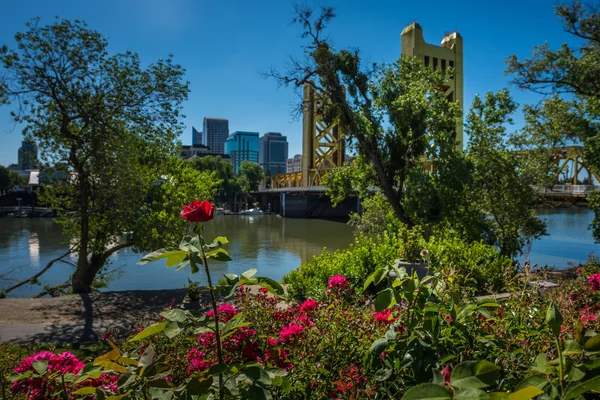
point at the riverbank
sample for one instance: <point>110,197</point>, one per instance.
<point>87,317</point>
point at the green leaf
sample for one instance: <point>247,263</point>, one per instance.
<point>571,348</point>
<point>218,369</point>
<point>427,391</point>
<point>40,366</point>
<point>383,374</point>
<point>554,319</point>
<point>587,386</point>
<point>592,344</point>
<point>535,380</point>
<point>175,315</point>
<point>385,299</point>
<point>471,394</point>
<point>526,393</point>
<point>250,273</point>
<point>158,255</point>
<point>160,383</point>
<point>541,363</point>
<point>576,374</point>
<point>256,393</point>
<point>379,346</point>
<point>474,374</point>
<point>195,263</point>
<point>149,331</point>
<point>176,258</point>
<point>172,329</point>
<point>376,277</point>
<point>219,255</point>
<point>198,387</point>
<point>271,285</point>
<point>218,242</point>
<point>157,371</point>
<point>147,357</point>
<point>85,391</point>
<point>258,374</point>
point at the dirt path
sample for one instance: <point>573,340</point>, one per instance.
<point>80,318</point>
<point>86,318</point>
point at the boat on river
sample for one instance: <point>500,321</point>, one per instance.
<point>252,211</point>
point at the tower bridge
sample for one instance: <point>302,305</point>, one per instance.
<point>302,194</point>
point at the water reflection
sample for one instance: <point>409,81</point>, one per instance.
<point>269,243</point>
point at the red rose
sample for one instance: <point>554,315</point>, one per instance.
<point>198,212</point>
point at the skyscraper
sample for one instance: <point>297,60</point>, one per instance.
<point>27,156</point>
<point>242,146</point>
<point>214,134</point>
<point>273,153</point>
<point>196,136</point>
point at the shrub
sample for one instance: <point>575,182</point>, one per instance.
<point>355,263</point>
<point>475,267</point>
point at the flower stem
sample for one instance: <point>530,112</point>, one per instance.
<point>561,367</point>
<point>216,317</point>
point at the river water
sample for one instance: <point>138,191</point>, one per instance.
<point>271,244</point>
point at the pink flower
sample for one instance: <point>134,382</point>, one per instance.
<point>196,358</point>
<point>206,340</point>
<point>385,316</point>
<point>306,321</point>
<point>586,315</point>
<point>594,281</point>
<point>263,290</point>
<point>338,282</point>
<point>225,312</point>
<point>308,306</point>
<point>446,372</point>
<point>290,331</point>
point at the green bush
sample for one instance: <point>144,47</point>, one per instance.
<point>476,267</point>
<point>355,263</point>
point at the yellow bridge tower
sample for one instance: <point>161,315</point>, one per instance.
<point>448,55</point>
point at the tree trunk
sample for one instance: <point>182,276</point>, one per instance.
<point>84,277</point>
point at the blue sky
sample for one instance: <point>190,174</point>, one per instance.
<point>225,44</point>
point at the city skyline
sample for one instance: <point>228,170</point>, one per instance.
<point>230,85</point>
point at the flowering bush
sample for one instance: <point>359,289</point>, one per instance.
<point>417,338</point>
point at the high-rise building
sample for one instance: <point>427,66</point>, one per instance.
<point>27,156</point>
<point>294,164</point>
<point>196,136</point>
<point>449,54</point>
<point>273,153</point>
<point>242,146</point>
<point>214,134</point>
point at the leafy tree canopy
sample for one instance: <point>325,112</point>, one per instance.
<point>107,125</point>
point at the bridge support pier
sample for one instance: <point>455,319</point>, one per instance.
<point>309,205</point>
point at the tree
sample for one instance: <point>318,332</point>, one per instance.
<point>251,176</point>
<point>224,172</point>
<point>500,203</point>
<point>573,73</point>
<point>393,113</point>
<point>109,126</point>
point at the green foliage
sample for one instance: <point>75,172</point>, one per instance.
<point>392,113</point>
<point>10,179</point>
<point>475,267</point>
<point>571,72</point>
<point>224,173</point>
<point>376,217</point>
<point>498,195</point>
<point>355,263</point>
<point>192,290</point>
<point>105,124</point>
<point>251,176</point>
